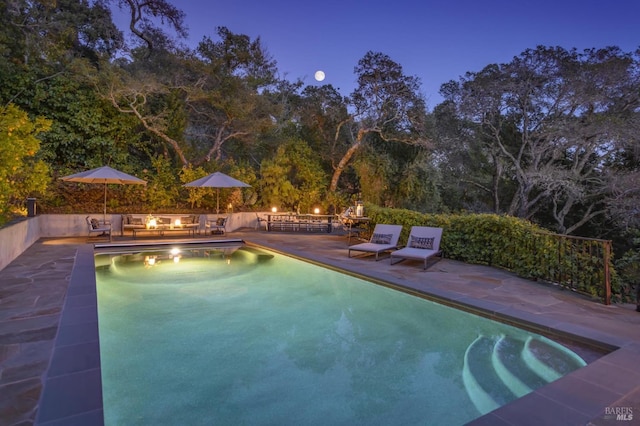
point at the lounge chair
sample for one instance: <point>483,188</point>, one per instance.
<point>384,238</point>
<point>262,221</point>
<point>98,228</point>
<point>216,226</point>
<point>423,244</point>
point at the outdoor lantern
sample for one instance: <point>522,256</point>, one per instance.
<point>316,211</point>
<point>178,223</point>
<point>274,209</point>
<point>359,209</point>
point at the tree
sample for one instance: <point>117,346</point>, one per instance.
<point>22,174</point>
<point>293,178</point>
<point>227,105</point>
<point>196,103</point>
<point>56,32</point>
<point>623,198</point>
<point>195,195</point>
<point>43,40</point>
<point>48,70</point>
<point>322,111</point>
<point>143,17</point>
<point>386,104</point>
<point>546,125</point>
<point>472,172</point>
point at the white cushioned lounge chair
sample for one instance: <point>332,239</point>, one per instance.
<point>384,238</point>
<point>102,229</point>
<point>423,244</point>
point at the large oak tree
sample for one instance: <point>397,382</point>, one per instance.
<point>553,121</point>
<point>387,105</point>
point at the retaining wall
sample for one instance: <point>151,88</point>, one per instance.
<point>19,236</point>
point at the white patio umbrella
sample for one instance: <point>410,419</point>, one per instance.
<point>217,180</point>
<point>104,175</point>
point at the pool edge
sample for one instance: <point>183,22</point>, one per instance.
<point>72,385</point>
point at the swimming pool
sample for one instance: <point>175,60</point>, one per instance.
<point>236,335</point>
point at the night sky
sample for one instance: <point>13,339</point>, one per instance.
<point>435,40</point>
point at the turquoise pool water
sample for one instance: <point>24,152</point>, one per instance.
<point>236,335</point>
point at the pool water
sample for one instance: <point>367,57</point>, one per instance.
<point>237,335</point>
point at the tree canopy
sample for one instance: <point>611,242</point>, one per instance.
<point>22,174</point>
<point>555,125</point>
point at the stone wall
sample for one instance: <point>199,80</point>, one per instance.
<point>17,237</point>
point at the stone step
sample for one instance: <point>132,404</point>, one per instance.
<point>509,362</point>
<point>500,369</point>
<point>484,386</point>
<point>550,360</point>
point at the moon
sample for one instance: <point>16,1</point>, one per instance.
<point>319,75</point>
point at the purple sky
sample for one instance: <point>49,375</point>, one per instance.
<point>435,40</point>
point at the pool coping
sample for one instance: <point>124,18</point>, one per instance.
<point>72,387</point>
<point>72,390</point>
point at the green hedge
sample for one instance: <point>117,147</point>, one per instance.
<point>513,244</point>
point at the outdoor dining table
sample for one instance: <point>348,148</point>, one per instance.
<point>300,222</point>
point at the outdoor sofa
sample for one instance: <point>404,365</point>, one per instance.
<point>139,221</point>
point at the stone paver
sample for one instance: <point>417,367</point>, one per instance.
<point>32,291</point>
<point>33,288</point>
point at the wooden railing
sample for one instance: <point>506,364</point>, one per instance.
<point>580,264</point>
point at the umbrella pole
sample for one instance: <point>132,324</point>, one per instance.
<point>217,200</point>
<point>104,213</point>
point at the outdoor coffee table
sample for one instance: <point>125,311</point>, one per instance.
<point>163,230</point>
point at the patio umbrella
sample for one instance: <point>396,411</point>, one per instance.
<point>217,180</point>
<point>104,175</point>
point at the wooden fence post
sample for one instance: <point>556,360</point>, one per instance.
<point>607,274</point>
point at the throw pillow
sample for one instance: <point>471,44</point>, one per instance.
<point>422,242</point>
<point>220,221</point>
<point>136,221</point>
<point>381,238</point>
<point>186,220</point>
<point>95,224</point>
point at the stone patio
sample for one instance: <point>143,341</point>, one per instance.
<point>34,287</point>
